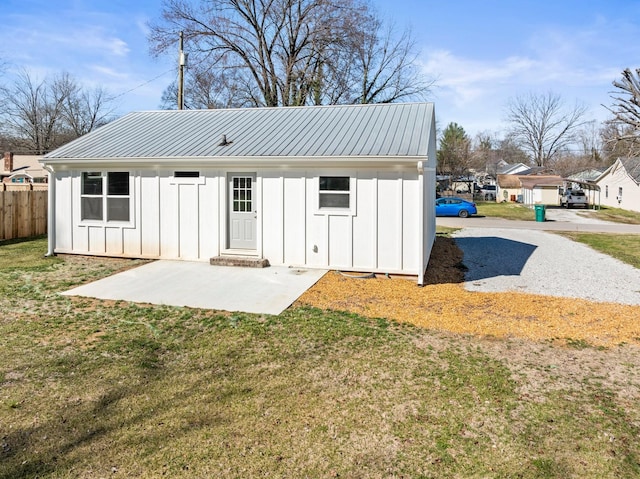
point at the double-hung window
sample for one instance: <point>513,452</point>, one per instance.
<point>105,196</point>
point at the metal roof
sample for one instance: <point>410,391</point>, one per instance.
<point>379,130</point>
<point>632,165</point>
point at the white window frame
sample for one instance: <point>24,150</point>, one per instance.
<point>105,198</point>
<point>336,211</point>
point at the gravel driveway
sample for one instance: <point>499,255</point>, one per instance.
<point>538,262</point>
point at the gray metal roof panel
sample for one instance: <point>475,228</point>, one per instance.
<point>399,129</point>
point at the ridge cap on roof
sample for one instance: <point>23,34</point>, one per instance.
<point>294,107</point>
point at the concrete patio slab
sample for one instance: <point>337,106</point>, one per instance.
<point>201,285</point>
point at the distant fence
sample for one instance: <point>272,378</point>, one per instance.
<point>23,213</point>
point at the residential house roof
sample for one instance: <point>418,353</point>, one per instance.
<point>27,165</point>
<point>632,166</point>
<point>512,169</point>
<point>380,130</point>
<point>587,175</point>
<point>534,181</point>
<point>509,181</point>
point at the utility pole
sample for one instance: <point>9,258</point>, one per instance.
<point>181,63</point>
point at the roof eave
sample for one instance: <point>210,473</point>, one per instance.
<point>255,161</point>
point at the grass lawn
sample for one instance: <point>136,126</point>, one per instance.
<point>616,215</point>
<point>516,211</point>
<point>510,211</point>
<point>626,248</point>
<point>94,388</point>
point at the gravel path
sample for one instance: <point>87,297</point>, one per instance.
<point>537,262</point>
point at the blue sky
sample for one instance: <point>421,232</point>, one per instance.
<point>481,53</point>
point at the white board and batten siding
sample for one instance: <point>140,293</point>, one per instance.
<point>179,219</point>
<point>380,233</point>
<point>387,153</point>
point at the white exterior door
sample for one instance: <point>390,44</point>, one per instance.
<point>242,211</point>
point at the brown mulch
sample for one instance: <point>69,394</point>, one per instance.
<point>444,304</point>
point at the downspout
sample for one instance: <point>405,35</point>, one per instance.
<point>51,216</point>
<point>421,267</point>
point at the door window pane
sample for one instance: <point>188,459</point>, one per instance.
<point>242,194</point>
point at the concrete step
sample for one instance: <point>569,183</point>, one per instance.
<point>243,261</point>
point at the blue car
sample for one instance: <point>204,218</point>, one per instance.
<point>452,206</point>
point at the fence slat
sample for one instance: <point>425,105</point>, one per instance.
<point>23,213</point>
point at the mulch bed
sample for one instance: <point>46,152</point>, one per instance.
<point>443,304</point>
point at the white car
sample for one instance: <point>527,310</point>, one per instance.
<point>570,198</point>
<point>488,192</point>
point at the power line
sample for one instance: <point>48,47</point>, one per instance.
<point>143,84</point>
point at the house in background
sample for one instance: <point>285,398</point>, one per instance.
<point>529,189</point>
<point>509,188</point>
<point>22,172</point>
<point>540,189</point>
<point>342,187</point>
<point>512,169</point>
<point>620,184</point>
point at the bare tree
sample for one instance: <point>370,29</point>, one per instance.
<point>34,108</point>
<point>626,112</point>
<point>42,115</point>
<point>86,110</point>
<point>292,52</point>
<point>384,67</point>
<point>619,140</point>
<point>626,107</point>
<point>542,126</point>
<point>208,88</point>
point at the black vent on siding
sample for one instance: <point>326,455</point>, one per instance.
<point>186,174</point>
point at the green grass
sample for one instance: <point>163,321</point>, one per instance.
<point>510,211</point>
<point>95,389</point>
<point>515,211</point>
<point>616,215</point>
<point>624,247</point>
<point>21,254</point>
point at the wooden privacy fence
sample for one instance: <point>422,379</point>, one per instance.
<point>23,213</point>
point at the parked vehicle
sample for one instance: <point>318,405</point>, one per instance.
<point>488,192</point>
<point>453,206</point>
<point>570,198</point>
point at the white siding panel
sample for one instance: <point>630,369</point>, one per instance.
<point>272,214</point>
<point>389,221</point>
<point>296,208</point>
<point>410,223</point>
<point>340,235</point>
<point>96,239</point>
<point>316,229</point>
<point>113,241</point>
<point>209,216</point>
<point>189,209</point>
<point>365,223</point>
<point>64,209</point>
<point>131,241</point>
<point>149,219</point>
<point>169,220</point>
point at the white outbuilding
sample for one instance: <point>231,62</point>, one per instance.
<point>347,187</point>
